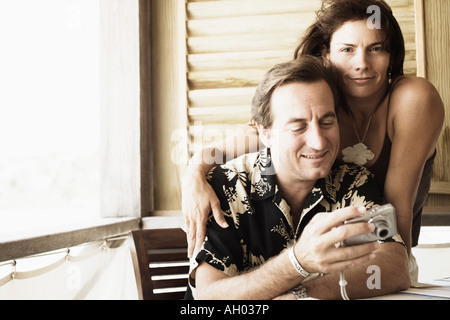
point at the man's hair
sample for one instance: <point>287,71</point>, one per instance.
<point>334,13</point>
<point>306,69</point>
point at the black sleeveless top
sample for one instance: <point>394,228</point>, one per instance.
<point>379,169</point>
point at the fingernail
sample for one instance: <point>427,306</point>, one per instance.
<point>362,209</point>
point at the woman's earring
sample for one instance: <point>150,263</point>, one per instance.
<point>390,75</point>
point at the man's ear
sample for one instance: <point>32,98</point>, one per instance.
<point>264,135</point>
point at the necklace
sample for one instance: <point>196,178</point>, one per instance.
<point>359,154</point>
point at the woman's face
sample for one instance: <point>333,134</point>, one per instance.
<point>359,55</point>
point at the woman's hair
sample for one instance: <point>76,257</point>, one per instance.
<point>306,69</point>
<point>334,13</point>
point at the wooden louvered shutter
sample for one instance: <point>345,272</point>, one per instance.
<point>232,43</point>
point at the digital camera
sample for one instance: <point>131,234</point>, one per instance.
<point>384,219</point>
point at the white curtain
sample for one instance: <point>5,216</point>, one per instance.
<point>101,270</point>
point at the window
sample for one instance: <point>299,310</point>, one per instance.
<point>87,61</point>
<point>49,112</point>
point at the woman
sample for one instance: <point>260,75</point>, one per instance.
<point>389,122</point>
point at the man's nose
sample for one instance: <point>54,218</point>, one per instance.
<point>315,138</point>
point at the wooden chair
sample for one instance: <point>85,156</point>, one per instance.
<point>160,263</point>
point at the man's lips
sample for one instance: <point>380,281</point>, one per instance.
<point>314,156</point>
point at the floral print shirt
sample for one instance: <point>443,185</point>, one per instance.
<point>260,223</point>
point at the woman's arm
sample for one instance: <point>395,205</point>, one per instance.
<point>414,125</point>
<point>198,198</point>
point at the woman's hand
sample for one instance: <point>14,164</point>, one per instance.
<point>198,200</point>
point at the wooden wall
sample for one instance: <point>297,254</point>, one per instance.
<point>169,112</point>
<point>437,44</point>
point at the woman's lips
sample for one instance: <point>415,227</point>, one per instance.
<point>362,80</point>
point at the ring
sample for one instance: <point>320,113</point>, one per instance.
<point>339,244</point>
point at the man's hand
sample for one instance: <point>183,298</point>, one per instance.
<point>317,249</point>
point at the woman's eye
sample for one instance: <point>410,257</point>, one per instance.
<point>378,49</point>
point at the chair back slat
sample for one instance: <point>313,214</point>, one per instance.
<point>167,254</point>
<point>170,270</point>
<point>170,283</point>
<point>161,263</point>
<point>170,296</point>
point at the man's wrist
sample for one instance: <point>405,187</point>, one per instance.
<point>299,292</point>
<point>296,264</point>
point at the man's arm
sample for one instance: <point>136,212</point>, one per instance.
<point>390,263</point>
<point>277,275</point>
<point>266,282</point>
<point>387,273</point>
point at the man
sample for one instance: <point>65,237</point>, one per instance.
<point>277,199</point>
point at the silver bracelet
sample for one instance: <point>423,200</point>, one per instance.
<point>296,264</point>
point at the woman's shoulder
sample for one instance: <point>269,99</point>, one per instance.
<point>412,93</point>
<point>415,108</point>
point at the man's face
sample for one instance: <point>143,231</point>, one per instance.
<point>304,137</point>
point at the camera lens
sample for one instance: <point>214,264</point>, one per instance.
<point>383,233</point>
<point>381,230</point>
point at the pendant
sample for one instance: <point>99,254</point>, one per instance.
<point>358,154</point>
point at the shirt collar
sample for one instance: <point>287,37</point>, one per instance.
<point>263,179</point>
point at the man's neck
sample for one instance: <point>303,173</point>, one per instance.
<point>296,194</point>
